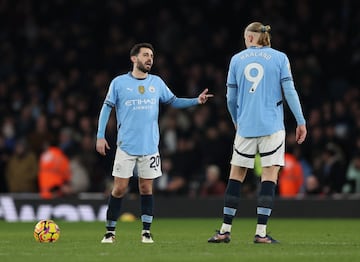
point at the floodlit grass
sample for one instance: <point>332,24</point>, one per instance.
<point>186,240</point>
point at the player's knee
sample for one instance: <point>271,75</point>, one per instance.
<point>118,191</point>
<point>145,188</point>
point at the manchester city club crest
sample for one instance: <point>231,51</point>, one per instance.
<point>141,89</point>
<point>152,89</point>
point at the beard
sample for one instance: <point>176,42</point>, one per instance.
<point>142,68</point>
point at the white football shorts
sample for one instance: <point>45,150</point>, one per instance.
<point>270,148</point>
<point>148,166</point>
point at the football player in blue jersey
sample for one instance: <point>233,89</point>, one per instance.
<point>259,79</point>
<point>136,97</point>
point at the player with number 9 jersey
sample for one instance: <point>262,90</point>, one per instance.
<point>258,79</point>
<point>256,74</point>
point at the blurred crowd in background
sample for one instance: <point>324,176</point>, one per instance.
<point>58,57</point>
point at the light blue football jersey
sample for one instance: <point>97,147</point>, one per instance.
<point>137,108</point>
<point>257,74</point>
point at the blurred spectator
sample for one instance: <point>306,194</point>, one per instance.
<point>297,151</point>
<point>169,131</point>
<point>54,173</point>
<point>213,185</point>
<point>4,158</point>
<point>290,177</point>
<point>25,122</point>
<point>226,134</point>
<point>86,127</point>
<point>312,186</point>
<point>332,173</point>
<point>353,176</point>
<point>80,181</point>
<point>38,135</point>
<point>162,184</point>
<point>9,132</point>
<point>67,142</point>
<point>89,159</point>
<point>182,172</point>
<point>216,149</point>
<point>172,182</point>
<point>22,169</point>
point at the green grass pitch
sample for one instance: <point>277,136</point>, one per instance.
<point>186,240</point>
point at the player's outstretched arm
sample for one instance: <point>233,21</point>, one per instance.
<point>204,96</point>
<point>179,102</point>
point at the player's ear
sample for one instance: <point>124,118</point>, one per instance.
<point>133,58</point>
<point>251,38</point>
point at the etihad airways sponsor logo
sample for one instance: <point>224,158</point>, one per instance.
<point>140,102</point>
